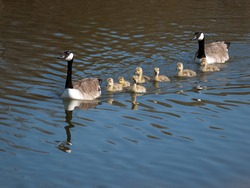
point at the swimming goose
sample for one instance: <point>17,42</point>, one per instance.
<point>141,78</point>
<point>85,89</point>
<point>123,82</point>
<point>185,72</point>
<point>160,78</point>
<point>207,68</point>
<point>215,52</point>
<point>111,86</point>
<point>136,88</point>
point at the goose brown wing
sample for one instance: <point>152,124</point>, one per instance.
<point>219,47</point>
<point>88,86</point>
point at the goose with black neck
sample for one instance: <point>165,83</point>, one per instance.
<point>215,52</point>
<point>84,89</point>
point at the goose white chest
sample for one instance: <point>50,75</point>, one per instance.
<point>72,94</point>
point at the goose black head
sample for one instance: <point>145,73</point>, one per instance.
<point>67,56</point>
<point>198,36</point>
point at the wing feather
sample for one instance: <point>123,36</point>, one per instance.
<point>89,87</point>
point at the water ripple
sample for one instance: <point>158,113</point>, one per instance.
<point>174,131</point>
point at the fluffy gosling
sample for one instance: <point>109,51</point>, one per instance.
<point>184,72</point>
<point>160,78</point>
<point>111,86</point>
<point>141,78</point>
<point>123,82</point>
<point>208,68</point>
<point>136,88</point>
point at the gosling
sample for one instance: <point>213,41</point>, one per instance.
<point>160,78</point>
<point>111,86</point>
<point>123,82</point>
<point>208,68</point>
<point>141,78</point>
<point>136,88</point>
<point>185,72</point>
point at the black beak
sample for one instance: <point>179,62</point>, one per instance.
<point>61,57</point>
<point>194,38</point>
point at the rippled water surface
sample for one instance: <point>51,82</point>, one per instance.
<point>172,136</point>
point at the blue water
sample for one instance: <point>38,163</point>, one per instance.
<point>172,136</point>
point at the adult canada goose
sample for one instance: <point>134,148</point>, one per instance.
<point>207,68</point>
<point>215,52</point>
<point>184,72</point>
<point>123,82</point>
<point>85,89</point>
<point>141,78</point>
<point>111,86</point>
<point>136,88</point>
<point>160,78</point>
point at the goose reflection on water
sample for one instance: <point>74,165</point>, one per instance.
<point>69,106</point>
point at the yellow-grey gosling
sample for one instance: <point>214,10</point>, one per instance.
<point>184,72</point>
<point>141,78</point>
<point>208,68</point>
<point>160,78</point>
<point>135,87</point>
<point>111,86</point>
<point>123,82</point>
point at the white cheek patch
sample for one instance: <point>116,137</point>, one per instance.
<point>201,37</point>
<point>70,57</point>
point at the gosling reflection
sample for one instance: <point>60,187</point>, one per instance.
<point>69,106</point>
<point>134,103</point>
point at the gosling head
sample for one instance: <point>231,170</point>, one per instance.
<point>156,70</point>
<point>179,66</point>
<point>67,56</point>
<point>203,62</point>
<point>121,80</point>
<point>198,36</point>
<point>110,81</point>
<point>138,71</point>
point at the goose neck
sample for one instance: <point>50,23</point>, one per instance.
<point>68,83</point>
<point>201,51</point>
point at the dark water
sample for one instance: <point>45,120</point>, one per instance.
<point>172,136</point>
